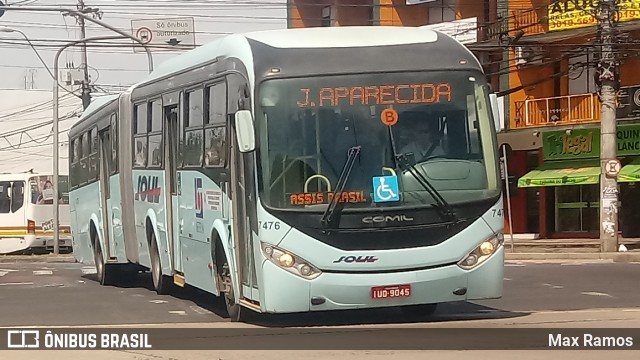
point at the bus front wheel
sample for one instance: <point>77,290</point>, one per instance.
<point>236,312</point>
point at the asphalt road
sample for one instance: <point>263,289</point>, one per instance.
<point>68,294</point>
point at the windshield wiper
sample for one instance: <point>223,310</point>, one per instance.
<point>446,211</point>
<point>406,163</point>
<point>332,210</point>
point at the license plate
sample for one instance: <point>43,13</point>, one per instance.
<point>392,291</point>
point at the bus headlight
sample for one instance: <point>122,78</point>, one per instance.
<point>482,252</point>
<point>290,262</point>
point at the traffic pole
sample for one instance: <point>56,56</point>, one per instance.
<point>607,79</point>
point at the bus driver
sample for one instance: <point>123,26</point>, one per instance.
<point>424,141</point>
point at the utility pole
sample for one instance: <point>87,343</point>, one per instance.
<point>607,80</point>
<point>86,89</point>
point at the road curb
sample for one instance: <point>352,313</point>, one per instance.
<point>626,257</point>
<point>7,259</point>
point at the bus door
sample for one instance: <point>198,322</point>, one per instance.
<point>241,198</point>
<point>105,192</point>
<point>171,174</point>
<point>110,149</point>
<point>12,215</point>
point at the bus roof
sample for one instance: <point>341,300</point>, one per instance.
<point>94,107</point>
<point>301,38</point>
<point>97,104</point>
<point>344,36</point>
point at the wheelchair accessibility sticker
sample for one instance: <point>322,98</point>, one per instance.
<point>385,188</point>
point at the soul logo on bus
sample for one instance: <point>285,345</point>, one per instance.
<point>357,259</point>
<point>148,189</point>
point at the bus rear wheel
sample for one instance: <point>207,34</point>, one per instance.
<point>161,283</point>
<point>99,260</point>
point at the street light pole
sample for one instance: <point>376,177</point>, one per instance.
<point>56,140</point>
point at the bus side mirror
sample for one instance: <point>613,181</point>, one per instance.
<point>495,109</point>
<point>244,131</point>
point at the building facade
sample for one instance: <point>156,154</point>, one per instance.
<point>541,58</point>
<point>553,134</point>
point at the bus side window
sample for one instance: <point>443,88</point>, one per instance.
<point>5,197</point>
<point>93,157</point>
<point>155,134</point>
<point>216,125</point>
<point>194,116</point>
<point>84,161</point>
<point>17,196</point>
<point>114,144</point>
<point>140,135</point>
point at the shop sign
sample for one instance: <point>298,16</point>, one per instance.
<point>578,144</point>
<point>628,102</point>
<point>585,143</point>
<point>573,14</point>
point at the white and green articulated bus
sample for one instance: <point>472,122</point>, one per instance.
<point>271,169</point>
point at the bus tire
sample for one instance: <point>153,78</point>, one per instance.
<point>235,311</point>
<point>106,275</point>
<point>161,283</point>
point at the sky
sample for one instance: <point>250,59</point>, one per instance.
<point>26,131</point>
<point>111,68</point>
<point>26,140</point>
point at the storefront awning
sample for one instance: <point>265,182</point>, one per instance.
<point>560,173</point>
<point>630,172</point>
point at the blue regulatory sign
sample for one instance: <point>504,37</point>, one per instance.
<point>385,189</point>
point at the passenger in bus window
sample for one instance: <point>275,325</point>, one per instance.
<point>156,156</point>
<point>212,157</point>
<point>215,154</point>
<point>141,154</point>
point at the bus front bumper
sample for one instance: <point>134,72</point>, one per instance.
<point>286,292</point>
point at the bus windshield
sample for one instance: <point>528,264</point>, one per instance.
<point>437,123</point>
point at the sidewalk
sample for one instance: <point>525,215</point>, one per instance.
<point>568,249</point>
<point>521,249</point>
<point>48,258</point>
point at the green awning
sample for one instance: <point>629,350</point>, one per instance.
<point>630,172</point>
<point>560,173</point>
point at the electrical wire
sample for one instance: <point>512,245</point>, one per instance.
<point>520,9</point>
